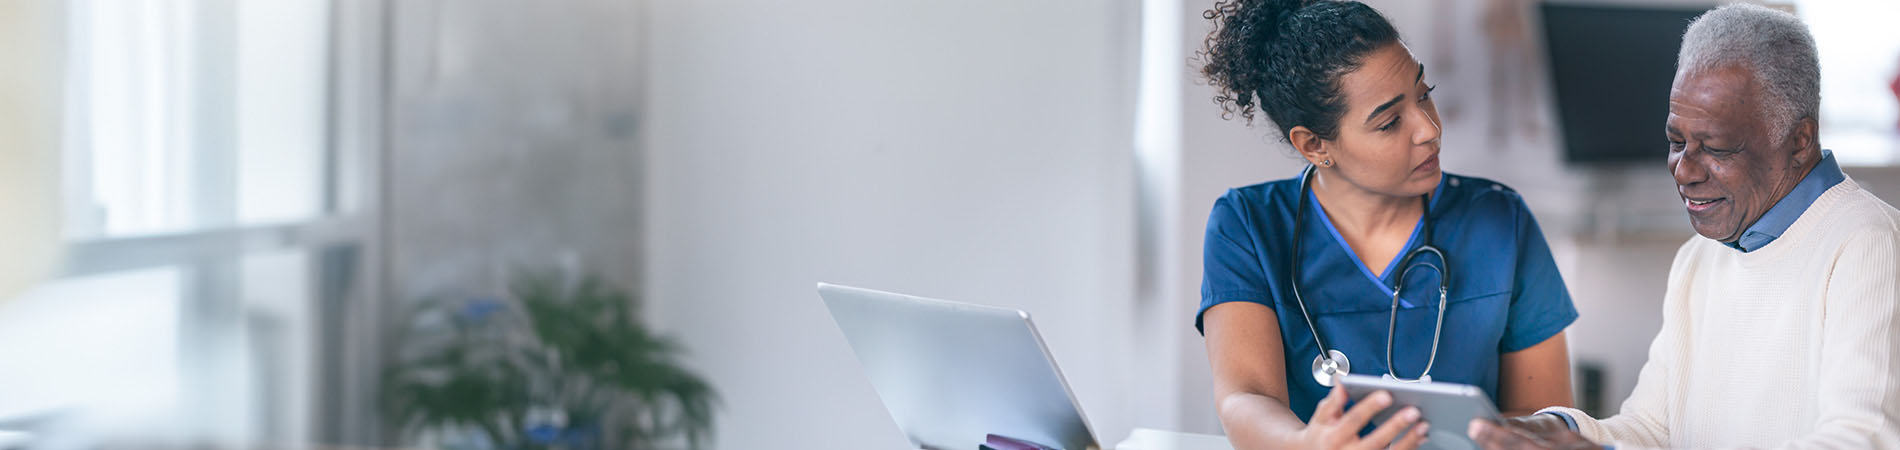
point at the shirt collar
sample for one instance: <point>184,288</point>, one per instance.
<point>1773,223</point>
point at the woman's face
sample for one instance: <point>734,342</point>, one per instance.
<point>1388,137</point>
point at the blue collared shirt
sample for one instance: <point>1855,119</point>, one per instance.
<point>1825,175</point>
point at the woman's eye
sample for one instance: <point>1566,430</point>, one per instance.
<point>1388,125</point>
<point>1428,93</point>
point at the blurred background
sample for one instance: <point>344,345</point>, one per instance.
<point>366,223</point>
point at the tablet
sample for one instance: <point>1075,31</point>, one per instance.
<point>1449,407</point>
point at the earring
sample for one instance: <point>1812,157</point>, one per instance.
<point>1326,163</point>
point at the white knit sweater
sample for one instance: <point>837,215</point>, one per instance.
<point>1794,345</point>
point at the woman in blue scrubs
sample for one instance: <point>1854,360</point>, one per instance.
<point>1317,257</point>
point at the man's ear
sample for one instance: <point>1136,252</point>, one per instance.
<point>1804,140</point>
<point>1310,146</point>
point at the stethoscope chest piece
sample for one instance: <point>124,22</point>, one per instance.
<point>1333,363</point>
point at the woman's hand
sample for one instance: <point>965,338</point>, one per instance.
<point>1333,427</point>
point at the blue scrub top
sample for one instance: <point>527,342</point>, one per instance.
<point>1506,294</point>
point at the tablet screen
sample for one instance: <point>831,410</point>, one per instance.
<point>1449,407</point>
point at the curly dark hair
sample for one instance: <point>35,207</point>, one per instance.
<point>1289,54</point>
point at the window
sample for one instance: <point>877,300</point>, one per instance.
<point>188,115</point>
<point>1860,56</point>
<point>200,174</point>
<point>117,352</point>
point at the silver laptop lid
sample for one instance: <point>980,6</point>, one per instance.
<point>952,373</point>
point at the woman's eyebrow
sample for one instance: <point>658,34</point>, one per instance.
<point>1395,99</point>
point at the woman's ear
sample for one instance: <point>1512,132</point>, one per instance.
<point>1310,146</point>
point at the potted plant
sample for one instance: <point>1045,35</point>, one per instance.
<point>557,363</point>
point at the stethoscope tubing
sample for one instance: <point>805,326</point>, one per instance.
<point>1332,361</point>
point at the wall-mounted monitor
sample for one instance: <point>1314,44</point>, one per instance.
<point>1611,66</point>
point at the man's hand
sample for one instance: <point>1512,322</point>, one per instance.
<point>1538,424</point>
<point>1493,436</point>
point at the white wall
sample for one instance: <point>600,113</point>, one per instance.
<point>511,142</point>
<point>29,126</point>
<point>977,151</point>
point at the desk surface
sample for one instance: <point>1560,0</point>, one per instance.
<point>1147,439</point>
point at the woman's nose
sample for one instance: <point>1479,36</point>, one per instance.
<point>1431,132</point>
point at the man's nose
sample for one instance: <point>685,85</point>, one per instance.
<point>1687,167</point>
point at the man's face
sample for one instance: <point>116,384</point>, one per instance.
<point>1725,158</point>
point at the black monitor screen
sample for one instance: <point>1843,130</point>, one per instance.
<point>1611,67</point>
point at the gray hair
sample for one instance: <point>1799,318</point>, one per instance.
<point>1772,45</point>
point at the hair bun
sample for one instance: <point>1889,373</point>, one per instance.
<point>1249,17</point>
<point>1254,64</point>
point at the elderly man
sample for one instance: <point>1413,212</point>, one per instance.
<point>1779,321</point>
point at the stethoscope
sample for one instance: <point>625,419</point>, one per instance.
<point>1331,362</point>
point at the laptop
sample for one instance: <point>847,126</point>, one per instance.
<point>951,374</point>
